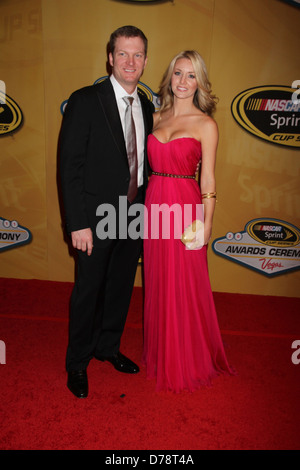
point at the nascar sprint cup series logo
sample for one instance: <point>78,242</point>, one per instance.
<point>142,88</point>
<point>271,113</point>
<point>269,246</point>
<point>11,116</point>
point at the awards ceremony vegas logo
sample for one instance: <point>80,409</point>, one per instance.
<point>271,113</point>
<point>12,234</point>
<point>11,116</point>
<point>268,246</point>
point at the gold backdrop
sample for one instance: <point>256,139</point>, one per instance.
<point>49,48</point>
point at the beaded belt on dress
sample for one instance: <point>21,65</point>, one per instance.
<point>173,176</point>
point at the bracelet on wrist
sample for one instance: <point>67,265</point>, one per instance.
<point>209,195</point>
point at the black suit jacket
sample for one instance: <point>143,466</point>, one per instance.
<point>93,159</point>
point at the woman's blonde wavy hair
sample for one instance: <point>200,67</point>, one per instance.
<point>203,98</point>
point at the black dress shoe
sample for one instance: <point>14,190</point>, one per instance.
<point>120,363</point>
<point>78,383</point>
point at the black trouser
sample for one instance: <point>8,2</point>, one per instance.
<point>100,299</point>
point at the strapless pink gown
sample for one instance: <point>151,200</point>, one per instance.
<point>183,347</point>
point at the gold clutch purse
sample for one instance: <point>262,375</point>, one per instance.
<point>193,236</point>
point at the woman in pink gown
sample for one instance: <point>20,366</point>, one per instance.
<point>183,348</point>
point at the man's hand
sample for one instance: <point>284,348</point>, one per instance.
<point>83,240</point>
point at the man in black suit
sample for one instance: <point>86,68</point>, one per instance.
<point>94,171</point>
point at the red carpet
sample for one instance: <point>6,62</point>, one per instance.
<point>257,409</point>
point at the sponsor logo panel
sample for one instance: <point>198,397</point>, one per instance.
<point>12,234</point>
<point>268,246</point>
<point>11,116</point>
<point>270,113</point>
<point>142,88</point>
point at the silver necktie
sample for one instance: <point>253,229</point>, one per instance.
<point>130,139</point>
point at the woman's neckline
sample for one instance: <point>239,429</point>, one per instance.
<point>176,138</point>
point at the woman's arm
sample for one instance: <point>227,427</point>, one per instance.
<point>209,142</point>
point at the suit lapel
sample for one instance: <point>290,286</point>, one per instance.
<point>110,110</point>
<point>109,106</point>
<point>148,128</point>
